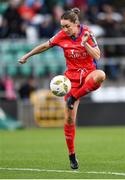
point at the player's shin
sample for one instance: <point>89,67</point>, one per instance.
<point>69,131</point>
<point>89,86</point>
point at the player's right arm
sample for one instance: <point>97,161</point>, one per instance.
<point>54,41</point>
<point>38,49</point>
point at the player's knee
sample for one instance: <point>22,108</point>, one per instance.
<point>101,76</point>
<point>69,120</point>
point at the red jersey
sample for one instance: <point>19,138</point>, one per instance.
<point>77,58</point>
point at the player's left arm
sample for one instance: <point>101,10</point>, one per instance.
<point>90,44</point>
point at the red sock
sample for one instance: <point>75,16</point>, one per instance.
<point>69,131</point>
<point>89,86</point>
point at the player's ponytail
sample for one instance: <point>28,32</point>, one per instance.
<point>73,15</point>
<point>76,10</point>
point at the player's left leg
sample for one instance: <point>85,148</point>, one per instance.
<point>69,131</point>
<point>92,82</point>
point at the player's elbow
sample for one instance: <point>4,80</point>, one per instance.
<point>97,55</point>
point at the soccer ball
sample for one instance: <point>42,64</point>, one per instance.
<point>60,85</point>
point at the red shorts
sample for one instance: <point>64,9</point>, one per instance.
<point>77,78</point>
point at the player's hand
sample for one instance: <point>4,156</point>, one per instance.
<point>23,59</point>
<point>85,37</point>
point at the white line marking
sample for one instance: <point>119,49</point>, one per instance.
<point>39,170</point>
<point>64,171</point>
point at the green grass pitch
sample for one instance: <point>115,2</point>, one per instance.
<point>42,154</point>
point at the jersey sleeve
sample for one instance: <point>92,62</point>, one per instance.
<point>92,40</point>
<point>55,40</point>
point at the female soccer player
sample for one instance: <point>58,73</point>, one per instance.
<point>80,51</point>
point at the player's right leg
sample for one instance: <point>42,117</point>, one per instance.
<point>69,131</point>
